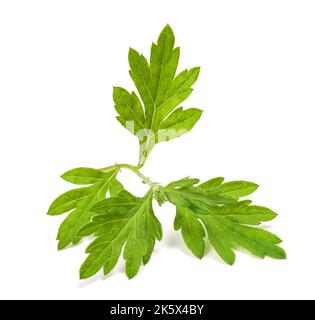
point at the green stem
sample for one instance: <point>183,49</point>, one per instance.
<point>134,169</point>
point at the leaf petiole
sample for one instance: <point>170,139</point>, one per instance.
<point>132,168</point>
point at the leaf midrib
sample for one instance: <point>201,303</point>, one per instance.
<point>132,111</point>
<point>126,226</point>
<point>242,236</point>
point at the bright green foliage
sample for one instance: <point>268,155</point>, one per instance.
<point>227,227</point>
<point>121,224</point>
<point>235,189</point>
<point>161,91</point>
<point>200,198</point>
<point>125,220</point>
<point>192,230</point>
<point>81,200</point>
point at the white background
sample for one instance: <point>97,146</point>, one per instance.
<point>58,63</point>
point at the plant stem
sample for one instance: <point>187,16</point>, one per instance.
<point>134,169</point>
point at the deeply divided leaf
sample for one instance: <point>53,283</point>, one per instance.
<point>121,224</point>
<point>227,226</point>
<point>153,116</point>
<point>123,221</point>
<point>81,200</point>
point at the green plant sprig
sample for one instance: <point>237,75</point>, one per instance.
<point>122,223</point>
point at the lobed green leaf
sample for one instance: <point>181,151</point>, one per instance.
<point>124,221</point>
<point>161,91</point>
<point>81,201</point>
<point>191,229</point>
<point>83,175</point>
<point>228,224</point>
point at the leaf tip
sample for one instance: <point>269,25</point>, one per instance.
<point>131,51</point>
<point>51,211</point>
<point>255,185</point>
<point>167,27</point>
<point>130,276</point>
<point>197,69</point>
<point>281,254</point>
<point>199,255</point>
<point>60,246</point>
<point>230,262</point>
<point>83,275</point>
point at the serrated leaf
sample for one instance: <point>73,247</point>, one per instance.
<point>83,175</point>
<point>244,213</point>
<point>153,232</point>
<point>225,235</point>
<point>69,228</point>
<point>211,183</point>
<point>140,74</point>
<point>81,200</point>
<point>195,198</point>
<point>227,228</point>
<point>238,189</point>
<point>137,228</point>
<point>69,200</point>
<point>182,183</point>
<point>124,224</point>
<point>161,91</point>
<point>235,189</point>
<point>179,91</point>
<point>192,198</point>
<point>124,202</point>
<point>178,123</point>
<point>129,109</point>
<point>191,229</point>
